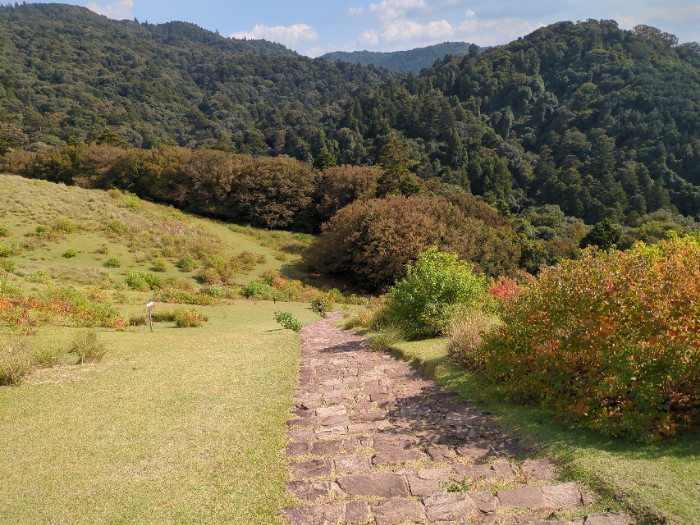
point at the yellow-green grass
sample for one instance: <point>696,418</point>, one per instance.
<point>28,204</point>
<point>174,426</point>
<point>654,482</point>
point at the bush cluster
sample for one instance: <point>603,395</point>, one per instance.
<point>266,192</point>
<point>371,241</point>
<point>611,341</point>
<point>287,320</point>
<point>86,348</point>
<point>321,304</point>
<point>189,318</point>
<point>15,361</point>
<point>434,290</point>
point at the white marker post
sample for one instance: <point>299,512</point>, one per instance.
<point>149,305</point>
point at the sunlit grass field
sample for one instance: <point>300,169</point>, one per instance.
<point>175,426</point>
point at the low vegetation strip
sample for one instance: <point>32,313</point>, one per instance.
<point>175,426</point>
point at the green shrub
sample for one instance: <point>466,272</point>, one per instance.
<point>258,290</point>
<point>360,319</point>
<point>371,241</point>
<point>163,316</point>
<point>41,230</point>
<point>434,289</point>
<point>187,263</point>
<point>64,226</point>
<point>117,227</point>
<point>15,360</point>
<point>160,264</point>
<point>336,295</point>
<point>216,291</point>
<point>5,251</point>
<point>103,249</point>
<point>112,262</point>
<point>70,253</point>
<point>4,231</point>
<point>47,355</point>
<point>321,304</point>
<point>611,341</point>
<point>69,302</point>
<point>189,318</point>
<point>144,281</point>
<point>176,295</point>
<point>138,320</point>
<point>39,276</point>
<point>210,276</point>
<point>245,261</point>
<point>223,268</point>
<point>86,348</point>
<point>287,320</point>
<point>269,275</point>
<point>7,265</point>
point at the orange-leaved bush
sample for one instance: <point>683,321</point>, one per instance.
<point>611,341</point>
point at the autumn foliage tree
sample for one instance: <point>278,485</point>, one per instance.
<point>371,241</point>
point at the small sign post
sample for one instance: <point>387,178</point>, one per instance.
<point>149,305</point>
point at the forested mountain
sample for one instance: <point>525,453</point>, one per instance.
<point>66,72</point>
<point>409,61</point>
<point>612,116</point>
<point>599,121</point>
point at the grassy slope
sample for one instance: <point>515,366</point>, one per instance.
<point>27,204</point>
<point>655,481</point>
<point>177,426</point>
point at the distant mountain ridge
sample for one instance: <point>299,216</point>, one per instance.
<point>411,61</point>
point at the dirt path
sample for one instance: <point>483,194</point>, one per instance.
<point>374,443</point>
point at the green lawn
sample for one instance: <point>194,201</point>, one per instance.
<point>654,482</point>
<point>175,426</point>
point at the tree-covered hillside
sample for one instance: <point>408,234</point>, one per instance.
<point>66,72</point>
<point>608,119</point>
<point>599,121</point>
<point>412,60</point>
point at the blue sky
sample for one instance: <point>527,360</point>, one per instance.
<point>314,27</point>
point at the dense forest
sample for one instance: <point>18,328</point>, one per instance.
<point>599,121</point>
<point>67,73</point>
<point>413,60</point>
<point>577,123</point>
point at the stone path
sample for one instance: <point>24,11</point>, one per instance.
<point>374,443</point>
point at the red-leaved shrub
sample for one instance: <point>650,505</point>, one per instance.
<point>611,340</point>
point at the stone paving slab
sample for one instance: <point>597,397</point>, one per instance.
<point>373,443</point>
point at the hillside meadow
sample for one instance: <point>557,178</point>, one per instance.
<point>178,425</point>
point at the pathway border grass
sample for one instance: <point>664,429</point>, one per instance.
<point>656,483</point>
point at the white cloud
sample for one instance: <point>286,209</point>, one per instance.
<point>388,10</point>
<point>288,35</point>
<point>356,11</point>
<point>406,23</point>
<point>314,52</point>
<point>404,30</point>
<point>494,31</point>
<point>119,10</point>
<point>370,38</point>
